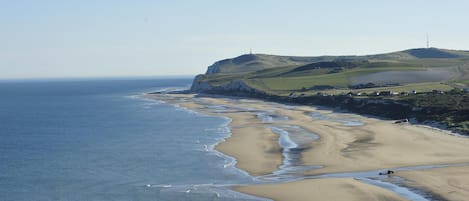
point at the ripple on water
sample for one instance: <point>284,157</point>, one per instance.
<point>202,192</point>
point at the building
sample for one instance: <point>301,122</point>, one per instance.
<point>384,93</point>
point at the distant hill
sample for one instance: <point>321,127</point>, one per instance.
<point>283,75</point>
<point>256,62</point>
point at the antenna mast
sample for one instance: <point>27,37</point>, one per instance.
<point>428,42</point>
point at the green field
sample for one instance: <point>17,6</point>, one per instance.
<point>283,75</point>
<point>340,80</point>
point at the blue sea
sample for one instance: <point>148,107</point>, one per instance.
<point>102,140</point>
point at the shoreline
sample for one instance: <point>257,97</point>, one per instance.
<point>266,155</point>
<point>434,125</point>
<point>337,149</point>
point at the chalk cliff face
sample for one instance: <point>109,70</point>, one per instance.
<point>243,63</point>
<point>200,86</point>
<point>217,66</point>
<point>235,86</point>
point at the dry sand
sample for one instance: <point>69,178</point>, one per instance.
<point>450,183</point>
<point>254,146</point>
<point>320,189</point>
<point>378,144</point>
<point>381,144</point>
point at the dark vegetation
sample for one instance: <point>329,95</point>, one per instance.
<point>448,109</point>
<point>330,64</point>
<point>371,85</point>
<point>431,53</point>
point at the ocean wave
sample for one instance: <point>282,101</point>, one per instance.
<point>149,105</point>
<point>184,109</point>
<point>171,89</point>
<point>224,132</point>
<point>159,185</point>
<point>147,102</point>
<point>212,191</point>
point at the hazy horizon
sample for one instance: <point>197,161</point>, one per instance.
<point>85,78</point>
<point>79,39</point>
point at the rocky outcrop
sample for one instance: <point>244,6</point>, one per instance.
<point>198,85</point>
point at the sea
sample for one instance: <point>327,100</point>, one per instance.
<point>101,139</point>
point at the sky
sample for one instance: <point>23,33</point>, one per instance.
<point>114,38</point>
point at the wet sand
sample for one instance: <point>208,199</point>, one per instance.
<point>321,189</point>
<point>451,183</point>
<point>378,144</point>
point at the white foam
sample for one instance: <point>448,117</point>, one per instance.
<point>180,108</point>
<point>231,164</point>
<point>171,89</point>
<point>148,101</point>
<point>221,129</point>
<point>159,186</point>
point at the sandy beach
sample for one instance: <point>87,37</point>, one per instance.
<point>262,154</point>
<point>375,144</point>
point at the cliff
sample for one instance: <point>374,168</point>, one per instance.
<point>234,87</point>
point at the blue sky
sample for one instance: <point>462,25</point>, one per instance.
<point>104,38</point>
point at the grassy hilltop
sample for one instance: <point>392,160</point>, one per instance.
<point>436,79</point>
<point>280,75</point>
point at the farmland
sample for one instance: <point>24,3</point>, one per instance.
<point>434,79</point>
<point>281,75</point>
